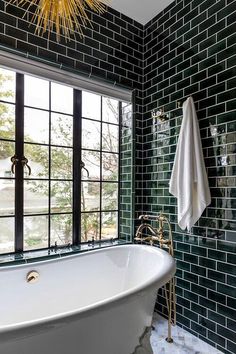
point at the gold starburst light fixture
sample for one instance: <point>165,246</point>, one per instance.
<point>66,16</point>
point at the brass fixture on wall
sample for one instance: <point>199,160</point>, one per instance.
<point>66,16</point>
<point>158,235</point>
<point>159,115</point>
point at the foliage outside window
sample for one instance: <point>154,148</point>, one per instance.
<point>53,141</point>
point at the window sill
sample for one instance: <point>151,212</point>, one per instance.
<point>43,255</point>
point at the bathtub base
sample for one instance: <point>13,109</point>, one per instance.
<point>110,330</point>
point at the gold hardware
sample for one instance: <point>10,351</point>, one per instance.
<point>24,162</point>
<point>179,104</point>
<point>32,277</point>
<point>158,235</point>
<point>159,114</point>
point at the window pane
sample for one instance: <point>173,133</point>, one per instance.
<point>109,196</point>
<point>61,197</point>
<point>7,121</point>
<point>36,92</point>
<point>61,163</point>
<point>7,85</point>
<point>110,137</point>
<point>35,232</point>
<point>7,235</point>
<point>61,98</point>
<point>61,229</point>
<point>110,164</point>
<point>90,196</point>
<point>110,110</point>
<point>91,134</point>
<point>92,164</point>
<point>38,157</point>
<point>109,225</point>
<point>7,199</point>
<point>61,130</point>
<point>36,197</point>
<point>90,226</point>
<point>36,127</point>
<point>91,107</point>
<point>7,150</point>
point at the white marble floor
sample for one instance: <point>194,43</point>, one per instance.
<point>184,342</point>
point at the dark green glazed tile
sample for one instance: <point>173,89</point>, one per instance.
<point>216,339</point>
<point>226,268</point>
<point>216,317</point>
<point>216,275</point>
<point>210,284</point>
<point>201,310</point>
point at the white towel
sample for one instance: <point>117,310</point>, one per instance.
<point>189,183</point>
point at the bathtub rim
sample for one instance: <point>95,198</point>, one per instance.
<point>152,282</point>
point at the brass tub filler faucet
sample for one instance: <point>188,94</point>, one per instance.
<point>162,236</point>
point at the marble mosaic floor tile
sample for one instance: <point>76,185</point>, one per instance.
<point>184,342</point>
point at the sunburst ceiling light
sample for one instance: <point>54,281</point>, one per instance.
<point>66,16</point>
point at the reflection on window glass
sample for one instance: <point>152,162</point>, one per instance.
<point>110,137</point>
<point>36,92</point>
<point>90,226</point>
<point>91,107</point>
<point>61,229</point>
<point>7,227</point>
<point>90,196</point>
<point>110,110</point>
<point>7,121</point>
<point>110,167</point>
<point>7,150</point>
<point>92,163</point>
<point>61,129</point>
<point>91,134</point>
<point>36,197</point>
<point>7,85</point>
<point>109,225</point>
<point>61,197</point>
<point>61,163</point>
<point>7,199</point>
<point>38,160</point>
<point>36,126</point>
<point>35,232</point>
<point>61,98</point>
<point>109,196</point>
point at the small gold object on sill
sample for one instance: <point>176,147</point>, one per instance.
<point>32,277</point>
<point>157,235</point>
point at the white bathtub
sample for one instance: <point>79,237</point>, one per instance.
<point>99,302</point>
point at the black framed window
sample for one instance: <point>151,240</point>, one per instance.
<point>59,164</point>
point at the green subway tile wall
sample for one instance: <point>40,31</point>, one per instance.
<point>189,49</point>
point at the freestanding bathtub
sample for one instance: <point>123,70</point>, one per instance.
<point>98,302</point>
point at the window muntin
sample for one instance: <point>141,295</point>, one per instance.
<point>49,145</point>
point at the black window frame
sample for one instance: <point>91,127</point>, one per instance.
<point>76,162</point>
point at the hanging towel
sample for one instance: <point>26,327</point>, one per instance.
<point>189,183</point>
